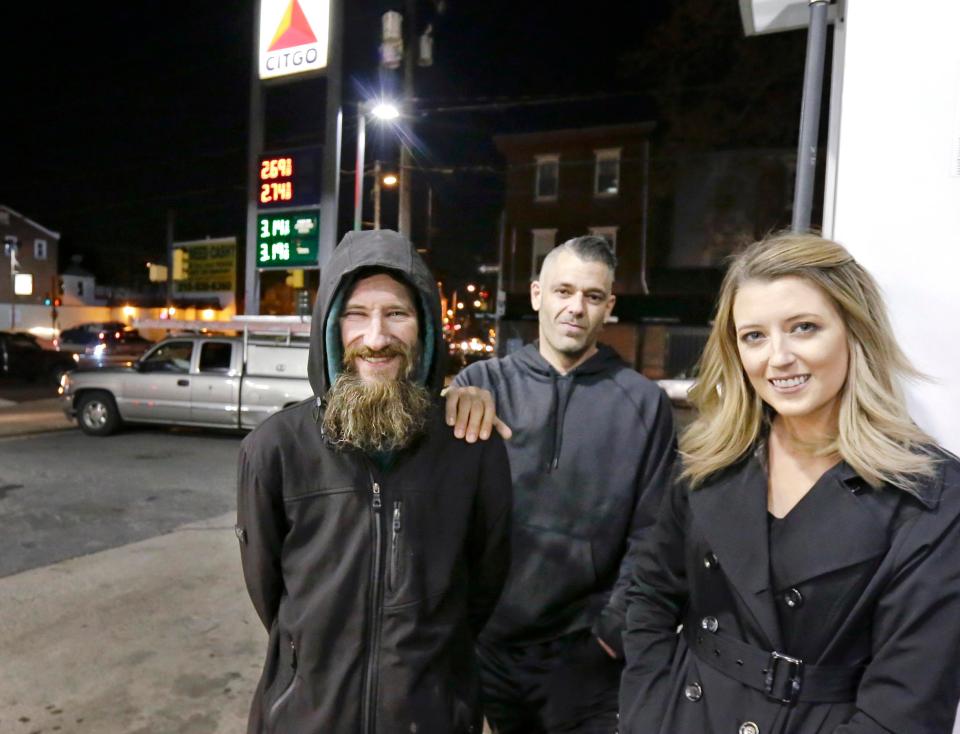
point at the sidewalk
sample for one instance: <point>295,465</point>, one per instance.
<point>156,637</point>
<point>32,416</point>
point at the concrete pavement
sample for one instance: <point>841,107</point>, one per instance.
<point>156,637</point>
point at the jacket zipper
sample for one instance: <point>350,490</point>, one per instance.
<point>370,684</point>
<point>289,689</point>
<point>393,577</point>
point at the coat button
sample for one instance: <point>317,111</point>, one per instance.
<point>710,624</point>
<point>793,598</point>
<point>693,692</point>
<point>748,727</point>
<point>710,560</point>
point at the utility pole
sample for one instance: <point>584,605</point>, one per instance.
<point>251,276</point>
<point>358,173</point>
<point>11,248</point>
<point>171,218</point>
<point>376,194</point>
<point>333,121</point>
<point>810,116</point>
<point>406,159</point>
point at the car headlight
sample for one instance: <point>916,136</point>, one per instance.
<point>76,357</point>
<point>99,349</point>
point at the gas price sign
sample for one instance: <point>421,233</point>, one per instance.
<point>276,180</point>
<point>289,179</point>
<point>288,239</point>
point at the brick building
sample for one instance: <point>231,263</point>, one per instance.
<point>566,183</point>
<point>36,255</point>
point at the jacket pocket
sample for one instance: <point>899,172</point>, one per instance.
<point>284,684</point>
<point>395,559</point>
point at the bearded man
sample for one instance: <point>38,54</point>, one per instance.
<point>374,543</point>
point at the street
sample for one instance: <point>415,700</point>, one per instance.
<point>65,494</point>
<point>123,607</point>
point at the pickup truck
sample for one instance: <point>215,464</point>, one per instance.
<point>191,380</point>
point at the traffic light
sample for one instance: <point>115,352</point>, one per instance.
<point>181,263</point>
<point>47,300</point>
<point>56,302</point>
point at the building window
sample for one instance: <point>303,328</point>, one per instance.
<point>80,288</point>
<point>543,242</point>
<point>39,249</point>
<point>548,177</point>
<point>5,218</point>
<point>608,233</point>
<point>606,178</point>
<point>10,242</point>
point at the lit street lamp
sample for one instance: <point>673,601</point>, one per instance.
<point>382,110</point>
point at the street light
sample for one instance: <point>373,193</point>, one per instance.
<point>382,110</point>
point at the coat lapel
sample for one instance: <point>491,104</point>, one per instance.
<point>731,514</point>
<point>840,523</point>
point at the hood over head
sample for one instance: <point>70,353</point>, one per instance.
<point>383,249</point>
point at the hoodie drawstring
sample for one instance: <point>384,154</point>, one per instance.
<point>562,388</point>
<point>316,409</point>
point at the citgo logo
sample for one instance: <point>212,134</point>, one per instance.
<point>294,29</point>
<point>299,39</point>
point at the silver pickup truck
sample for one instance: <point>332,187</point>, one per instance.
<point>191,380</point>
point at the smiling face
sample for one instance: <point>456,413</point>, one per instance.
<point>377,326</point>
<point>572,299</point>
<point>793,347</point>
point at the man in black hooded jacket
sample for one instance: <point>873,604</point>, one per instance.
<point>592,448</point>
<point>374,543</point>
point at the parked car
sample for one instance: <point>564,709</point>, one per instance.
<point>102,343</point>
<point>22,356</point>
<point>195,380</point>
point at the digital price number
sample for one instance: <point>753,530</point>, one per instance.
<point>289,178</point>
<point>276,180</point>
<point>288,240</point>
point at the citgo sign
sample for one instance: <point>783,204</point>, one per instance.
<point>293,37</point>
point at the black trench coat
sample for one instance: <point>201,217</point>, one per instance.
<point>874,593</point>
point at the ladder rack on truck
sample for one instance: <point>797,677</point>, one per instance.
<point>258,353</point>
<point>288,325</point>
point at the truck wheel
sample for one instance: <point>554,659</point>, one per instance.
<point>97,414</point>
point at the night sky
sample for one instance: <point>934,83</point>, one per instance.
<point>115,113</point>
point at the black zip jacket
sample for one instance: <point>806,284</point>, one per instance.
<point>591,456</point>
<point>372,584</point>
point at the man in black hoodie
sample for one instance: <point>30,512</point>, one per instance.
<point>374,543</point>
<point>591,453</point>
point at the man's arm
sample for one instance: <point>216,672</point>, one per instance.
<point>655,474</point>
<point>488,552</point>
<point>261,526</point>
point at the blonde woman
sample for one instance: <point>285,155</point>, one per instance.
<point>810,547</point>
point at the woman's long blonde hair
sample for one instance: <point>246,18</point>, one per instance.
<point>875,435</point>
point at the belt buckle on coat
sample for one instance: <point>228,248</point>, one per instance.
<point>793,681</point>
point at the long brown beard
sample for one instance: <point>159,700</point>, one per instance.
<point>376,415</point>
